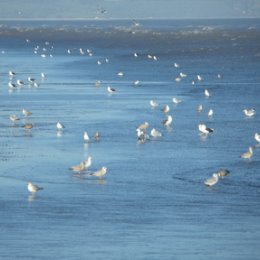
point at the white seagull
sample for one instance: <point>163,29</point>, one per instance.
<point>166,109</point>
<point>204,129</point>
<point>167,121</point>
<point>85,136</point>
<point>206,92</point>
<point>60,126</point>
<point>100,173</point>
<point>212,181</point>
<point>210,113</point>
<point>14,118</point>
<point>19,82</point>
<point>153,103</point>
<point>249,112</point>
<point>26,112</point>
<point>11,85</point>
<point>248,154</point>
<point>11,73</point>
<point>155,133</point>
<point>88,162</point>
<point>200,108</point>
<point>33,188</point>
<point>257,137</point>
<point>111,90</point>
<point>176,100</point>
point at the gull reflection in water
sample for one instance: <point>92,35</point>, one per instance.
<point>31,198</point>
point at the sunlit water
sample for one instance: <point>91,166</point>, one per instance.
<point>153,203</point>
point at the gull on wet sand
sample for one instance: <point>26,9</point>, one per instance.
<point>248,154</point>
<point>85,136</point>
<point>155,133</point>
<point>167,121</point>
<point>33,188</point>
<point>200,108</point>
<point>143,126</point>
<point>78,168</point>
<point>13,118</point>
<point>153,103</point>
<point>210,113</point>
<point>11,85</point>
<point>176,100</point>
<point>20,82</point>
<point>249,112</point>
<point>99,173</point>
<point>204,129</point>
<point>257,137</point>
<point>111,90</point>
<point>26,112</point>
<point>166,109</point>
<point>212,181</point>
<point>97,136</point>
<point>60,126</point>
<point>206,92</point>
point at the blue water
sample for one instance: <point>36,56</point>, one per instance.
<point>152,204</point>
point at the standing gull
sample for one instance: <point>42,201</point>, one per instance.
<point>249,112</point>
<point>153,104</point>
<point>33,188</point>
<point>212,181</point>
<point>155,133</point>
<point>85,136</point>
<point>100,173</point>
<point>248,154</point>
<point>26,112</point>
<point>167,121</point>
<point>60,126</point>
<point>204,129</point>
<point>257,137</point>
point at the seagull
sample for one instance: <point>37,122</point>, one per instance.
<point>26,112</point>
<point>11,85</point>
<point>120,73</point>
<point>199,78</point>
<point>100,173</point>
<point>28,126</point>
<point>248,154</point>
<point>136,82</point>
<point>141,135</point>
<point>199,109</point>
<point>204,129</point>
<point>19,82</point>
<point>136,55</point>
<point>166,109</point>
<point>60,126</point>
<point>176,100</point>
<point>167,121</point>
<point>210,113</point>
<point>176,65</point>
<point>155,133</point>
<point>14,118</point>
<point>249,112</point>
<point>143,126</point>
<point>111,90</point>
<point>87,162</point>
<point>183,75</point>
<point>31,80</point>
<point>212,181</point>
<point>43,76</point>
<point>33,187</point>
<point>153,103</point>
<point>206,92</point>
<point>85,136</point>
<point>223,172</point>
<point>78,168</point>
<point>11,73</point>
<point>178,79</point>
<point>97,136</point>
<point>257,137</point>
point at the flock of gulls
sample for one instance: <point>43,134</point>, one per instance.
<point>142,133</point>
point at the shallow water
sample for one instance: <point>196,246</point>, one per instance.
<point>153,203</point>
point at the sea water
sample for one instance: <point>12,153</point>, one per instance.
<point>153,203</point>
